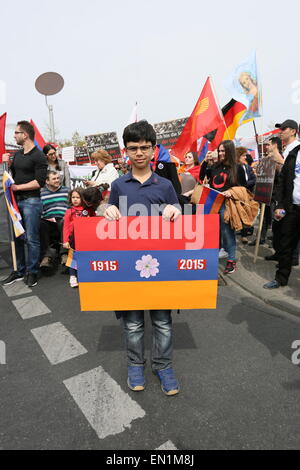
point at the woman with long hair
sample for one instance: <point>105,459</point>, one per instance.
<point>55,163</point>
<point>191,165</point>
<point>222,176</point>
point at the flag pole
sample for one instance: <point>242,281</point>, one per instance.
<point>256,137</point>
<point>10,231</point>
<point>221,114</point>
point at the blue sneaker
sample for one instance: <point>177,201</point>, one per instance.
<point>168,381</point>
<point>136,379</point>
<point>272,285</point>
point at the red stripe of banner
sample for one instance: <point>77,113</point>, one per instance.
<point>187,232</point>
<point>204,195</point>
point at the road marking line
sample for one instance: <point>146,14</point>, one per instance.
<point>58,344</point>
<point>18,288</point>
<point>30,307</point>
<point>167,446</point>
<point>108,409</point>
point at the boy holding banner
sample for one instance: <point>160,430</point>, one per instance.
<point>142,186</point>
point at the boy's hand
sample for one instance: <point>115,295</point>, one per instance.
<point>112,213</point>
<point>171,213</point>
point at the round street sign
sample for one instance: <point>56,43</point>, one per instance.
<point>49,83</point>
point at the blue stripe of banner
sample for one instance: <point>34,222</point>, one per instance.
<point>210,201</point>
<point>37,144</point>
<point>127,272</point>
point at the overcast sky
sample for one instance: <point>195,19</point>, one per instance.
<point>158,52</point>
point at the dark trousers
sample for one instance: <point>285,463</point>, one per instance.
<point>30,209</point>
<point>290,235</point>
<point>277,234</point>
<point>51,238</point>
<point>269,211</point>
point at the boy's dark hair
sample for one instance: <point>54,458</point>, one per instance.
<point>76,190</point>
<point>249,159</point>
<point>278,142</point>
<point>91,197</point>
<point>28,128</point>
<point>138,131</point>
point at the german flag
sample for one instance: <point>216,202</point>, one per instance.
<point>233,113</point>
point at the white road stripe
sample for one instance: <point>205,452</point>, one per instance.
<point>108,409</point>
<point>18,288</point>
<point>30,307</point>
<point>167,446</point>
<point>58,343</point>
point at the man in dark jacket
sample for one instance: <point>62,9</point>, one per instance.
<point>288,200</point>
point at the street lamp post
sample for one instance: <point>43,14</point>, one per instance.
<point>50,83</point>
<point>51,120</point>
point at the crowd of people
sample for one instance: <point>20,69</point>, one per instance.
<point>223,170</point>
<point>49,208</point>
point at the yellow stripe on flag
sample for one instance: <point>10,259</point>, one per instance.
<point>231,130</point>
<point>185,295</point>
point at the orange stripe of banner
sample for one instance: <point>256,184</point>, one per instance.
<point>217,205</point>
<point>148,295</point>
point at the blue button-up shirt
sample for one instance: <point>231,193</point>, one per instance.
<point>134,198</point>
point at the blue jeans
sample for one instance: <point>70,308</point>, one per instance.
<point>31,210</point>
<point>162,349</point>
<point>227,237</point>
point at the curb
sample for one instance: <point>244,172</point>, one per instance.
<point>280,305</point>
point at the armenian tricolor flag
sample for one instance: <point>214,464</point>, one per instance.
<point>147,263</point>
<point>12,206</point>
<point>71,259</point>
<point>210,198</point>
<point>38,139</point>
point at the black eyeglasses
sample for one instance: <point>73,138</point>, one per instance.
<point>142,148</point>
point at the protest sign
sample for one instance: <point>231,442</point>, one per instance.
<point>168,132</point>
<point>147,263</point>
<point>79,173</point>
<point>82,155</point>
<point>265,174</point>
<point>68,154</point>
<point>107,141</point>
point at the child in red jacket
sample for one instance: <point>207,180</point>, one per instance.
<point>78,209</point>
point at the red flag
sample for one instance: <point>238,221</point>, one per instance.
<point>205,118</point>
<point>38,139</point>
<point>2,135</point>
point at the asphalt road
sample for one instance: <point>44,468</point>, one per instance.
<point>64,382</point>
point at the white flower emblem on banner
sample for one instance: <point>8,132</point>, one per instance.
<point>147,266</point>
